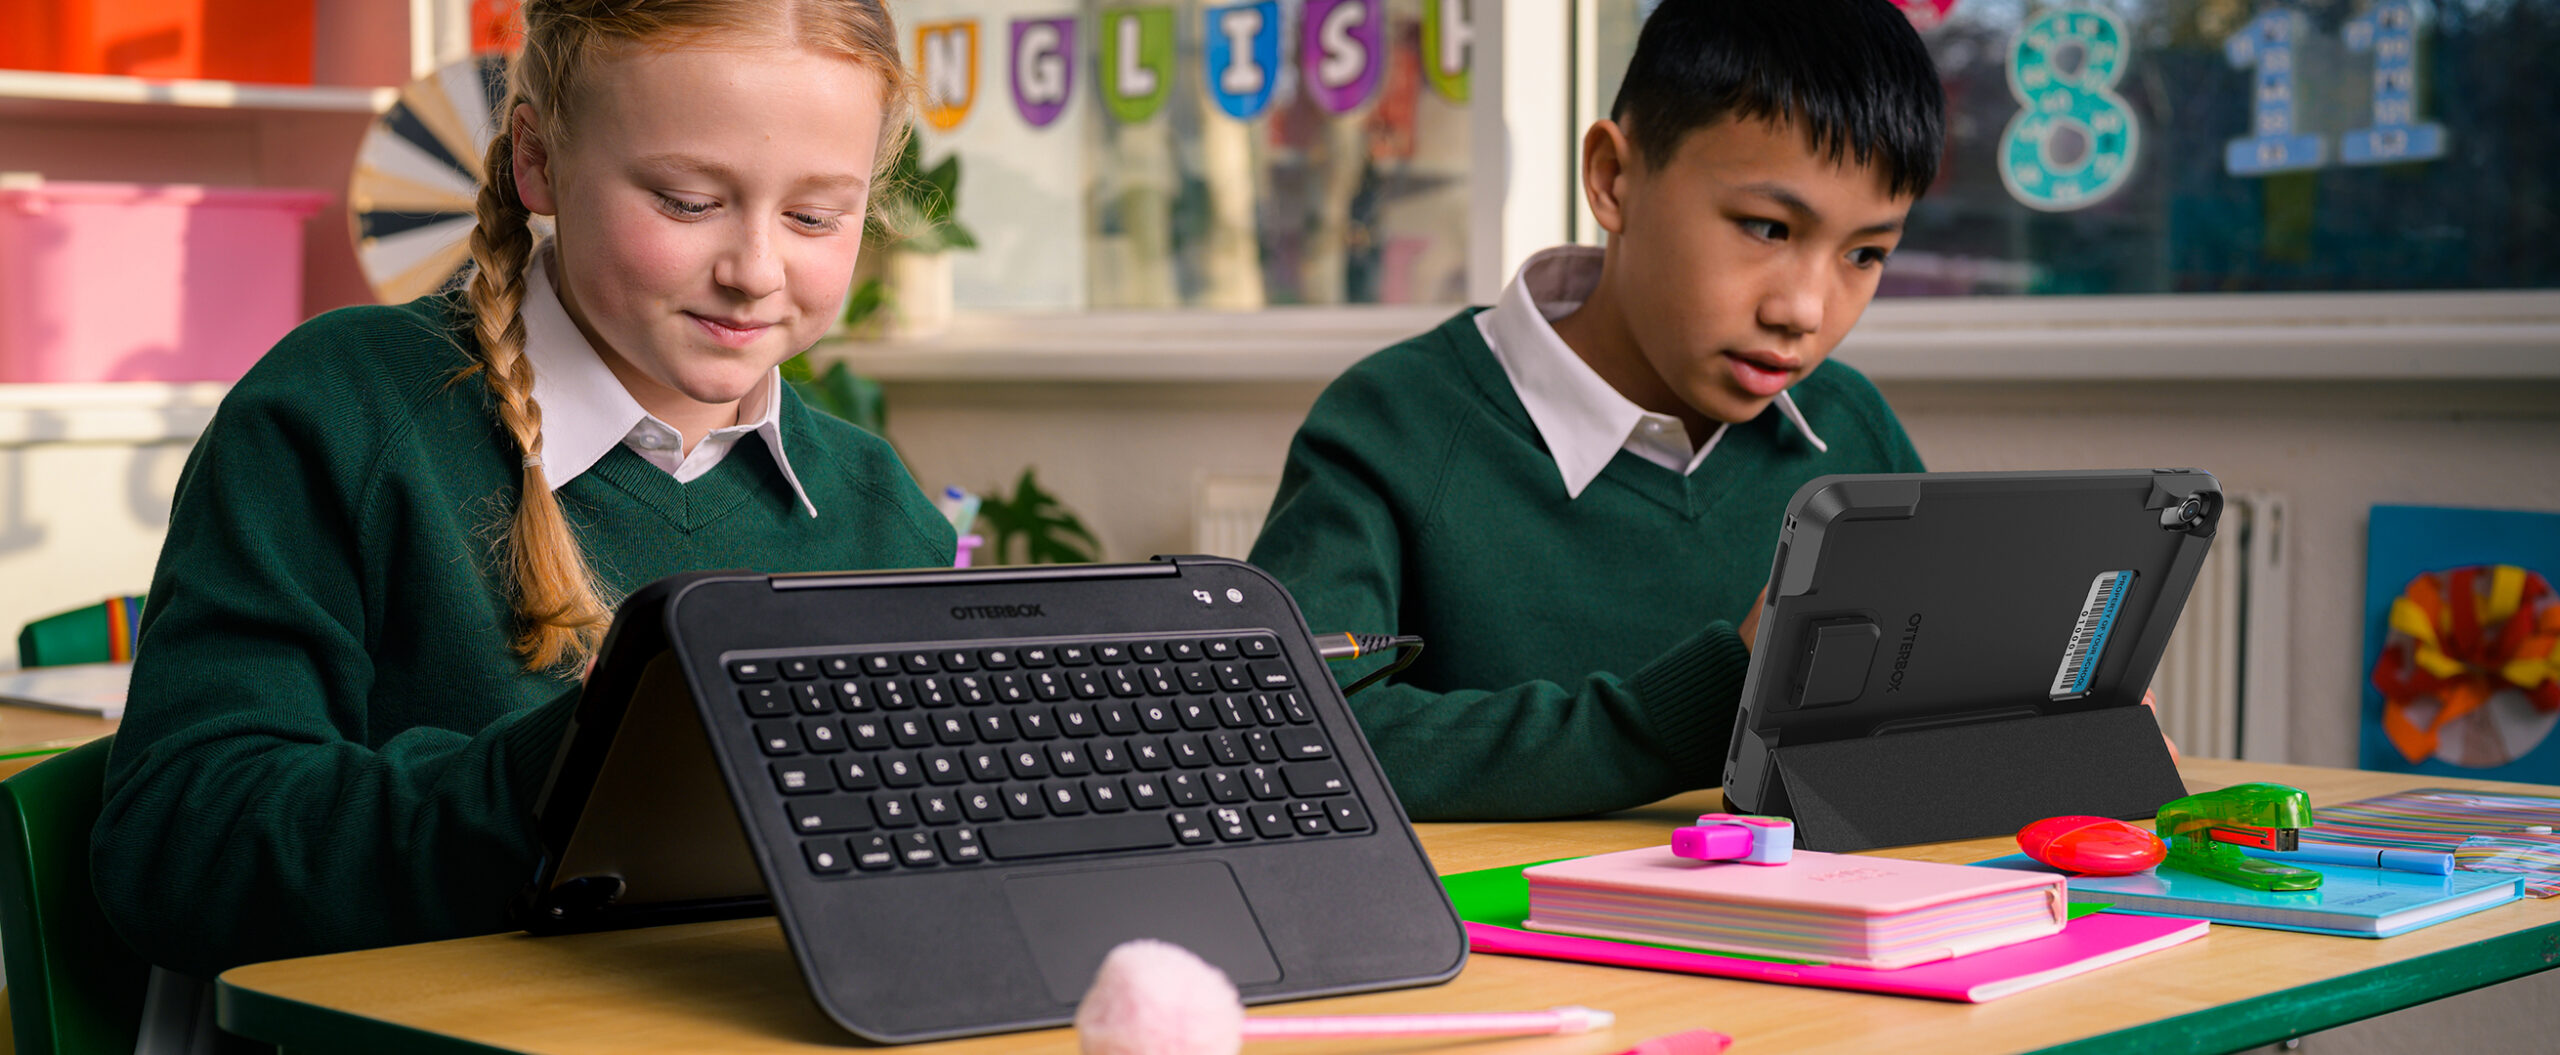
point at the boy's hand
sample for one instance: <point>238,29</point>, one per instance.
<point>1750,627</point>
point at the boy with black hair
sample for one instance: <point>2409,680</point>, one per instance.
<point>1574,495</point>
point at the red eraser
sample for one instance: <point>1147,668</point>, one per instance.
<point>1693,1042</point>
<point>2098,846</point>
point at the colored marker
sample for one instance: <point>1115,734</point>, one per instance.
<point>2427,862</point>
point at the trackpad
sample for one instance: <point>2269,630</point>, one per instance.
<point>1071,920</point>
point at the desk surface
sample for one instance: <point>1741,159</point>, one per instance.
<point>732,986</point>
<point>22,728</point>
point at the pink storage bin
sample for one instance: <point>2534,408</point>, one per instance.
<point>146,282</point>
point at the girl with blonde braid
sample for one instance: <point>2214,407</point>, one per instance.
<point>400,539</point>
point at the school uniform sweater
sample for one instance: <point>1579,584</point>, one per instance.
<point>328,744</point>
<point>1580,648</point>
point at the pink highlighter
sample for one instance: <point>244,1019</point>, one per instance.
<point>1734,837</point>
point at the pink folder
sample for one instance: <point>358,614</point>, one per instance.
<point>2085,944</point>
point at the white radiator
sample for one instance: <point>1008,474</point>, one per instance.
<point>2222,683</point>
<point>1227,513</point>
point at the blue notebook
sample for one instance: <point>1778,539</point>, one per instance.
<point>2352,902</point>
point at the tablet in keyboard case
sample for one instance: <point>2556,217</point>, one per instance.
<point>957,789</point>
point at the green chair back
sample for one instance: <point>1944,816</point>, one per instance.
<point>73,984</point>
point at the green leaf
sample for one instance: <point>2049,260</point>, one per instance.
<point>865,301</point>
<point>1049,533</point>
<point>847,395</point>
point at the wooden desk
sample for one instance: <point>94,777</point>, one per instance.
<point>733,987</point>
<point>26,728</point>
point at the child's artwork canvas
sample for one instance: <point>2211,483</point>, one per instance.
<point>2460,624</point>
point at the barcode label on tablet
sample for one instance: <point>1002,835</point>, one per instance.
<point>2089,635</point>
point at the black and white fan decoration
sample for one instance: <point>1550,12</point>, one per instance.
<point>417,177</point>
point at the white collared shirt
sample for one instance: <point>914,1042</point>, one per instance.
<point>1584,420</point>
<point>586,411</point>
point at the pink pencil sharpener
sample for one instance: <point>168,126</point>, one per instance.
<point>1733,837</point>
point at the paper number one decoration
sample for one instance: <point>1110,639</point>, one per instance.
<point>2390,32</point>
<point>2266,44</point>
<point>1137,61</point>
<point>2060,92</point>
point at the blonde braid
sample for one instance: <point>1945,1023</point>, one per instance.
<point>560,613</point>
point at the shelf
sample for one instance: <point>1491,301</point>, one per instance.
<point>2365,337</point>
<point>31,86</point>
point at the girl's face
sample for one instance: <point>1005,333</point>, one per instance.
<point>709,207</point>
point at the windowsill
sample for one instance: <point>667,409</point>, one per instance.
<point>107,412</point>
<point>2495,336</point>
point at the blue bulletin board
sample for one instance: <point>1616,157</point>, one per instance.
<point>2487,577</point>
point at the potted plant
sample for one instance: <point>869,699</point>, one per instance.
<point>902,284</point>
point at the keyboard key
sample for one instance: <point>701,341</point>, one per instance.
<point>822,735</point>
<point>1199,680</point>
<point>1036,655</point>
<point>916,662</point>
<point>835,813</point>
<point>1011,688</point>
<point>1263,782</point>
<point>1271,674</point>
<point>1075,655</point>
<point>778,738</point>
<point>937,807</point>
<point>1184,788</point>
<point>1089,684</point>
<point>995,659</point>
<point>1187,751</point>
<point>893,809</point>
<point>1146,792</point>
<point>916,850</point>
<point>1104,794</point>
<point>1146,651</point>
<point>910,731</point>
<point>1190,826</point>
<point>839,666</point>
<point>984,804</point>
<point>972,690</point>
<point>1076,719</point>
<point>857,774</point>
<point>1268,709</point>
<point>899,769</point>
<point>1014,842</point>
<point>1231,824</point>
<point>891,694</point>
<point>745,670</point>
<point>869,734</point>
<point>879,664</point>
<point>1022,801</point>
<point>1117,717</point>
<point>799,778</point>
<point>1347,815</point>
<point>1224,785</point>
<point>1049,685</point>
<point>994,727</point>
<point>1158,716</point>
<point>812,698</point>
<point>1028,762</point>
<point>1184,651</point>
<point>1299,742</point>
<point>766,701</point>
<point>1111,653</point>
<point>1065,797</point>
<point>872,853</point>
<point>960,846</point>
<point>1198,712</point>
<point>1233,675</point>
<point>1148,753</point>
<point>827,856</point>
<point>943,767</point>
<point>954,728</point>
<point>1296,708</point>
<point>957,660</point>
<point>1128,681</point>
<point>1068,760</point>
<point>1307,779</point>
<point>1235,712</point>
<point>1262,745</point>
<point>1258,646</point>
<point>1271,820</point>
<point>1227,748</point>
<point>932,692</point>
<point>986,764</point>
<point>1315,825</point>
<point>1109,756</point>
<point>797,668</point>
<point>1035,723</point>
<point>850,698</point>
<point>1218,648</point>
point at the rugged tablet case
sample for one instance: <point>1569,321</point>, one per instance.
<point>1913,678</point>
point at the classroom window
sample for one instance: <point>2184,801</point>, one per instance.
<point>1212,155</point>
<point>2226,145</point>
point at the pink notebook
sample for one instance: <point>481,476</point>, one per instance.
<point>1852,910</point>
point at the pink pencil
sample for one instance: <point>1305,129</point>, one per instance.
<point>1485,1023</point>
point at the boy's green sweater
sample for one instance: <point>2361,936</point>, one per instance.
<point>1581,653</point>
<point>328,743</point>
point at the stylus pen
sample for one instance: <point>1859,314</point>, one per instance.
<point>1482,1023</point>
<point>2428,862</point>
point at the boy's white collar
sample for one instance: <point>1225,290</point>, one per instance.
<point>1584,420</point>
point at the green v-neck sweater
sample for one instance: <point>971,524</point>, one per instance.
<point>328,744</point>
<point>1580,652</point>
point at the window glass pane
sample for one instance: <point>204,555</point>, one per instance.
<point>2229,145</point>
<point>1231,155</point>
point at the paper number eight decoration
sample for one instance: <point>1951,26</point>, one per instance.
<point>2081,98</point>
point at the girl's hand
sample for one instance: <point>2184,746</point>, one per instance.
<point>1750,627</point>
<point>2154,704</point>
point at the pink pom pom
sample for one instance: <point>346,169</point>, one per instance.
<point>1157,998</point>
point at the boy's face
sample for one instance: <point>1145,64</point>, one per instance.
<point>1741,261</point>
